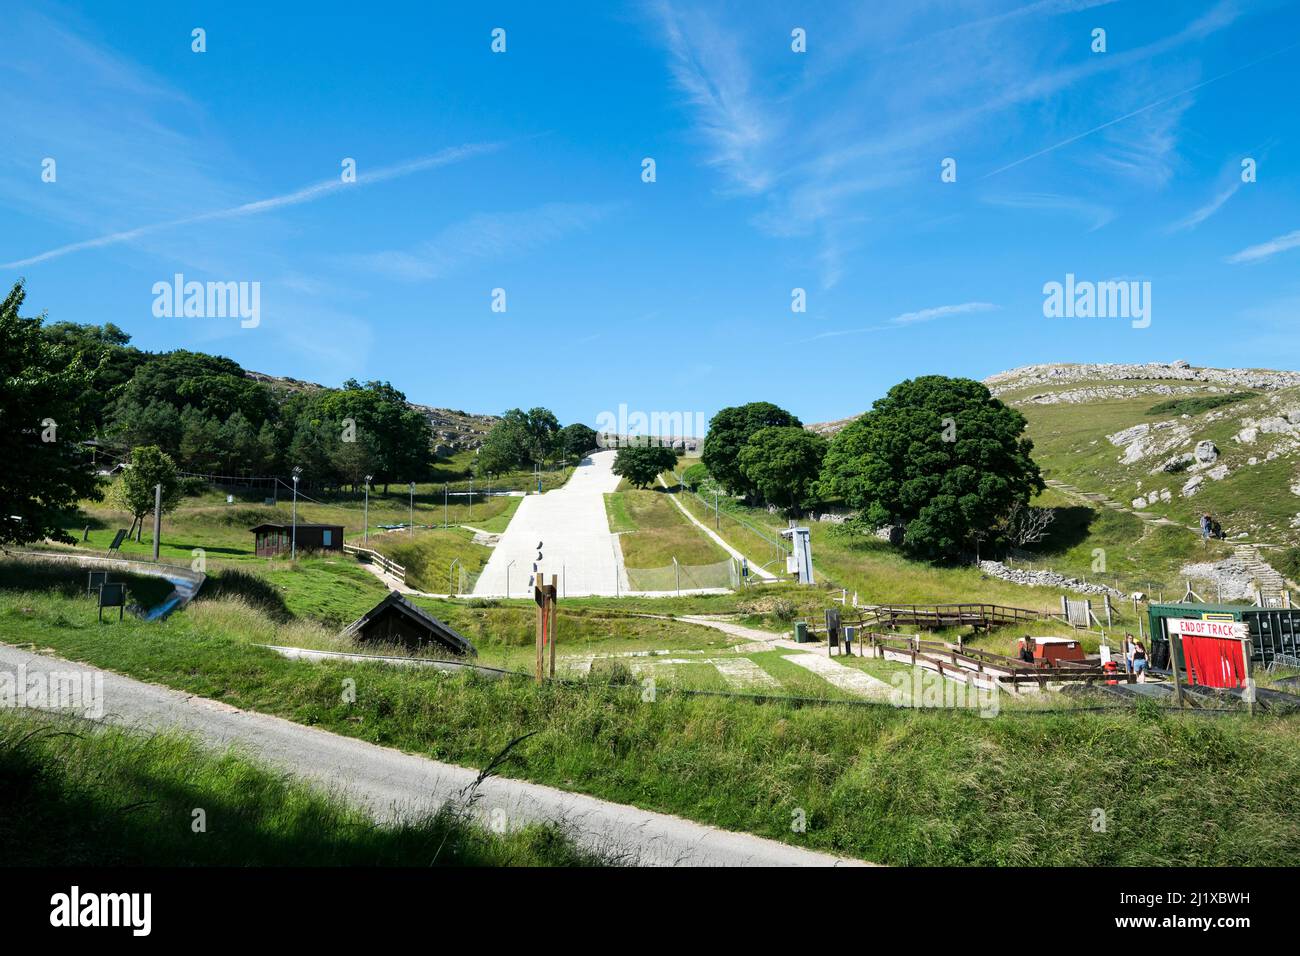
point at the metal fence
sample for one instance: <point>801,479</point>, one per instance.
<point>685,577</point>
<point>761,544</point>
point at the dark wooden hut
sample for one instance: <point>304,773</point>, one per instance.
<point>395,620</point>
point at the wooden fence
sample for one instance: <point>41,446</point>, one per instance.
<point>374,557</point>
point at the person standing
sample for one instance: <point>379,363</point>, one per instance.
<point>1139,659</point>
<point>1205,527</point>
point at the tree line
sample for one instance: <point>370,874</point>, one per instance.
<point>939,457</point>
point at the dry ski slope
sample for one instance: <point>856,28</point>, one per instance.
<point>571,524</point>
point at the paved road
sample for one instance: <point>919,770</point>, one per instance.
<point>570,522</point>
<point>390,783</point>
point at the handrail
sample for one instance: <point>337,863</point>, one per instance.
<point>367,554</point>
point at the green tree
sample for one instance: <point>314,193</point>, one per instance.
<point>201,441</point>
<point>44,416</point>
<point>134,490</point>
<point>504,449</point>
<point>312,450</point>
<point>783,464</point>
<point>355,459</point>
<point>104,350</point>
<point>574,441</point>
<point>641,464</point>
<point>939,456</point>
<point>729,430</point>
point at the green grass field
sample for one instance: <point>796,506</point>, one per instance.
<point>221,530</point>
<point>74,793</point>
<point>428,556</point>
<point>896,786</point>
<point>653,531</point>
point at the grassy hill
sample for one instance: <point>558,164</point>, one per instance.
<point>1129,432</point>
<point>1134,454</point>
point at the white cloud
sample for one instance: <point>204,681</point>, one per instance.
<point>1202,213</point>
<point>1268,249</point>
<point>297,197</point>
<point>912,318</point>
<point>708,66</point>
<point>483,237</point>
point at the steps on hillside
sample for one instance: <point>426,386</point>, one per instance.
<point>1272,585</point>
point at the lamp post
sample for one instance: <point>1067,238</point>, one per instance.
<point>444,505</point>
<point>365,535</point>
<point>410,523</point>
<point>508,567</point>
<point>293,548</point>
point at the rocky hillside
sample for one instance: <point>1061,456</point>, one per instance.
<point>1171,439</point>
<point>453,430</point>
<point>1167,440</point>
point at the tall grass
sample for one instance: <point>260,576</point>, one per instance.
<point>74,793</point>
<point>896,786</point>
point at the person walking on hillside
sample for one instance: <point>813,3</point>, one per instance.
<point>1206,524</point>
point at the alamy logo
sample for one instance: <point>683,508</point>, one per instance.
<point>103,909</point>
<point>81,692</point>
<point>1112,299</point>
<point>210,300</point>
<point>644,429</point>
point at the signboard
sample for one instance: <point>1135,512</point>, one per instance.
<point>1216,616</point>
<point>112,595</point>
<point>1208,628</point>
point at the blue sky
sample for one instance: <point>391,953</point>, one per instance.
<point>775,170</point>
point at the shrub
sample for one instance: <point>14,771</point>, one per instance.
<point>695,476</point>
<point>1198,404</point>
<point>1289,563</point>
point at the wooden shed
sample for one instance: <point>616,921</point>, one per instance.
<point>273,539</point>
<point>395,620</point>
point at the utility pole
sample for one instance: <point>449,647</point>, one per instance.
<point>365,535</point>
<point>293,547</point>
<point>410,523</point>
<point>157,519</point>
<point>444,505</point>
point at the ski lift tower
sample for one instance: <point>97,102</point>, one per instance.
<point>799,562</point>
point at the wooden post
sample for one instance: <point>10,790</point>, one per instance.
<point>1173,663</point>
<point>544,595</point>
<point>551,629</point>
<point>1249,686</point>
<point>539,595</point>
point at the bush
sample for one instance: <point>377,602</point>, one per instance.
<point>1289,563</point>
<point>192,486</point>
<point>695,476</point>
<point>1196,405</point>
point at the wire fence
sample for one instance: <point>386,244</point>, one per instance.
<point>762,545</point>
<point>685,577</point>
<point>465,580</point>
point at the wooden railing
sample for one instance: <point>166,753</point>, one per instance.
<point>971,664</point>
<point>983,616</point>
<point>374,557</point>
